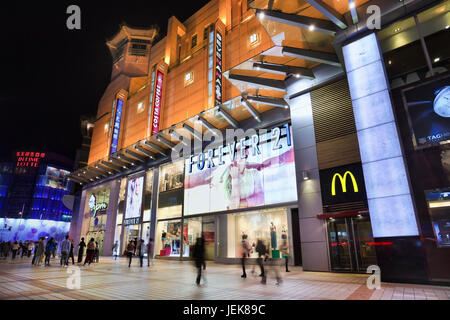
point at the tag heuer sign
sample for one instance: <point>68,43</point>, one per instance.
<point>96,207</point>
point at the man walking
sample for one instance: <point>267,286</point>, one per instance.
<point>199,257</point>
<point>81,247</point>
<point>65,248</point>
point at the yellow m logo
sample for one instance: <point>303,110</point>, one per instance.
<point>343,182</point>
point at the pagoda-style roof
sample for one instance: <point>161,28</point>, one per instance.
<point>127,32</point>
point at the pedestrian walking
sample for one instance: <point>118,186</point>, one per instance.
<point>81,247</point>
<point>49,251</point>
<point>284,248</point>
<point>38,252</point>
<point>55,247</point>
<point>71,252</point>
<point>90,252</point>
<point>65,248</point>
<point>149,251</point>
<point>115,249</point>
<point>261,250</point>
<point>30,249</point>
<point>245,254</point>
<point>130,250</point>
<point>140,251</point>
<point>97,252</point>
<point>7,249</point>
<point>199,258</point>
<point>2,245</point>
<point>15,247</point>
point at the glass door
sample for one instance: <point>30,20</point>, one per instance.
<point>339,239</point>
<point>351,244</point>
<point>364,243</point>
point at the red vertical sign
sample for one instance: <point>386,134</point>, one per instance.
<point>156,116</point>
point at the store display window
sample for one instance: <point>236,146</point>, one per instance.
<point>168,238</point>
<point>148,195</point>
<point>270,226</point>
<point>194,228</point>
<point>439,209</point>
<point>120,211</point>
<point>171,176</point>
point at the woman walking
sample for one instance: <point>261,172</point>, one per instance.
<point>90,252</point>
<point>130,250</point>
<point>38,252</point>
<point>14,249</point>
<point>49,250</point>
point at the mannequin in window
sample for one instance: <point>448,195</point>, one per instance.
<point>273,236</point>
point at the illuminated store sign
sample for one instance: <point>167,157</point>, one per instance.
<point>119,108</point>
<point>29,159</point>
<point>96,207</point>
<point>261,172</point>
<point>343,181</point>
<point>157,98</point>
<point>207,161</point>
<point>428,107</point>
<point>131,221</point>
<point>342,184</point>
<point>219,62</point>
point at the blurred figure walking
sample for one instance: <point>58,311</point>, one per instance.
<point>97,252</point>
<point>38,252</point>
<point>130,251</point>
<point>115,249</point>
<point>149,251</point>
<point>199,257</point>
<point>65,248</point>
<point>262,251</point>
<point>90,252</point>
<point>81,247</point>
<point>49,250</point>
<point>245,254</point>
<point>15,247</point>
<point>30,249</point>
<point>71,252</point>
<point>284,251</point>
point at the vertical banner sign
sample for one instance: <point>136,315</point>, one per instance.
<point>121,99</point>
<point>157,97</point>
<point>218,64</point>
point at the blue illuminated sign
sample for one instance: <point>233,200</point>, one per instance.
<point>116,126</point>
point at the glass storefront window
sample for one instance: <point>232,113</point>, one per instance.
<point>169,212</point>
<point>196,227</point>
<point>171,176</point>
<point>439,209</point>
<point>148,195</point>
<point>168,238</point>
<point>270,226</point>
<point>120,211</point>
<point>131,232</point>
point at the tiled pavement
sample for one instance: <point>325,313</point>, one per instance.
<point>174,280</point>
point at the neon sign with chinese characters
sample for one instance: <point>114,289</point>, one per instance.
<point>29,159</point>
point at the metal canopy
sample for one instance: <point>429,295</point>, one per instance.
<point>276,102</point>
<point>285,69</point>
<point>318,56</point>
<point>251,109</point>
<point>134,156</point>
<point>328,12</point>
<point>323,26</point>
<point>156,148</point>
<point>145,151</point>
<point>261,82</point>
<point>228,117</point>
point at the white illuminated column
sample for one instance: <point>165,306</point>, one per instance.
<point>388,192</point>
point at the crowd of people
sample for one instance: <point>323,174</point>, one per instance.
<point>44,249</point>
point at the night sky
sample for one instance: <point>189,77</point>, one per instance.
<point>50,75</point>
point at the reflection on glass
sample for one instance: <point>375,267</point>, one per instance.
<point>171,176</point>
<point>168,238</point>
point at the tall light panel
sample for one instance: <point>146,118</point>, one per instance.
<point>390,203</point>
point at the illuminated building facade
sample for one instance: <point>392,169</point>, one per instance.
<point>339,173</point>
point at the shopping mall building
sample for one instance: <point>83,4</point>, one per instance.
<point>343,107</point>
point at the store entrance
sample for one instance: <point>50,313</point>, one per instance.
<point>98,237</point>
<point>351,244</point>
<point>131,232</point>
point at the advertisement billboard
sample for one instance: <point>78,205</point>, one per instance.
<point>428,109</point>
<point>119,105</point>
<point>243,178</point>
<point>57,178</point>
<point>134,197</point>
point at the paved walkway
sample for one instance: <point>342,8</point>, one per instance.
<point>171,280</point>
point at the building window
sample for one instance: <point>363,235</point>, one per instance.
<point>194,41</point>
<point>253,38</point>
<point>188,78</point>
<point>140,107</point>
<point>171,176</point>
<point>138,49</point>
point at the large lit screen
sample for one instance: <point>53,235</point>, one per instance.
<point>32,229</point>
<point>134,197</point>
<point>257,180</point>
<point>428,107</point>
<point>57,178</point>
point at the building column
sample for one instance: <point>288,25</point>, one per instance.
<point>111,218</point>
<point>392,211</point>
<point>313,235</point>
